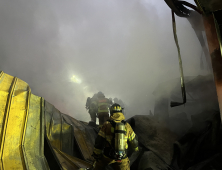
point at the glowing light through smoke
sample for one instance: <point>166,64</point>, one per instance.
<point>75,79</point>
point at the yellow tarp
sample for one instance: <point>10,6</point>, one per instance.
<point>24,120</point>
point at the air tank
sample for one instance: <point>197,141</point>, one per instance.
<point>120,140</point>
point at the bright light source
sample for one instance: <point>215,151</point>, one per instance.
<point>75,79</point>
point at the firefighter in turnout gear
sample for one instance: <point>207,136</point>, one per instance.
<point>103,108</point>
<point>91,106</point>
<point>112,141</point>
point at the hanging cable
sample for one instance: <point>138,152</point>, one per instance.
<point>173,104</point>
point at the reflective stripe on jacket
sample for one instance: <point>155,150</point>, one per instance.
<point>103,105</point>
<point>93,104</point>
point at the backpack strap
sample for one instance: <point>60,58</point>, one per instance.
<point>124,122</point>
<point>112,122</point>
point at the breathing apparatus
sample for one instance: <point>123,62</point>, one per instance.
<point>118,128</point>
<point>119,140</point>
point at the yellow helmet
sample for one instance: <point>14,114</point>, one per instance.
<point>115,108</point>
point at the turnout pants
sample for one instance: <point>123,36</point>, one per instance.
<point>104,161</point>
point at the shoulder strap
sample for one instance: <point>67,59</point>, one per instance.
<point>124,122</point>
<point>113,123</point>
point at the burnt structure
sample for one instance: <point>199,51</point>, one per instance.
<point>201,97</point>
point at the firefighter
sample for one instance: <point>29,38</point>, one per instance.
<point>103,108</point>
<point>91,106</point>
<point>111,143</point>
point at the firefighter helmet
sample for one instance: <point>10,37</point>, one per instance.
<point>116,100</point>
<point>115,108</point>
<point>100,94</point>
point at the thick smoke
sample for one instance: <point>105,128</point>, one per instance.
<point>122,48</point>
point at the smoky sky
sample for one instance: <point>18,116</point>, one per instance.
<point>122,48</point>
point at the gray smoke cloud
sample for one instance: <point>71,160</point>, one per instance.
<point>122,48</point>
